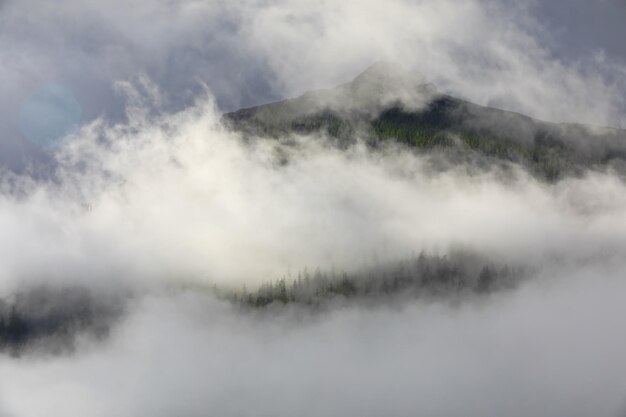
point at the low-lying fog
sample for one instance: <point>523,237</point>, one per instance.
<point>129,228</point>
<point>554,347</point>
<point>166,202</point>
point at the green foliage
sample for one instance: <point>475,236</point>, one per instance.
<point>419,130</point>
<point>545,157</point>
<point>448,125</point>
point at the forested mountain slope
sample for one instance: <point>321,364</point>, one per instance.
<point>387,104</point>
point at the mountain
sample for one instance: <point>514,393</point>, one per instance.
<point>386,103</point>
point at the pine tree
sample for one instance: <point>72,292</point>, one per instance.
<point>485,280</point>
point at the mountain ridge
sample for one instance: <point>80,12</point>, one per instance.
<point>386,103</point>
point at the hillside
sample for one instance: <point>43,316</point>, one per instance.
<point>386,103</point>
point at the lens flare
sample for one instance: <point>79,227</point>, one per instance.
<point>49,115</point>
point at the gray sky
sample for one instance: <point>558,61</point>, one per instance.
<point>250,52</point>
<point>584,27</point>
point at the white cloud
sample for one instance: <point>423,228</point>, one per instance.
<point>176,197</point>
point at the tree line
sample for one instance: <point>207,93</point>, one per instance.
<point>422,275</point>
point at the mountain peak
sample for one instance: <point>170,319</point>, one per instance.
<point>387,82</point>
<point>386,71</point>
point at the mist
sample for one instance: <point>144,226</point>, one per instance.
<point>174,201</point>
<point>132,224</point>
<point>179,197</point>
<point>552,348</point>
<point>520,56</point>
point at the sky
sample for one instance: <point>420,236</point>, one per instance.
<point>583,27</point>
<point>558,60</point>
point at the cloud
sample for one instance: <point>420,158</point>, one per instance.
<point>552,346</point>
<point>178,197</point>
<point>251,52</point>
<point>489,53</point>
<point>154,190</point>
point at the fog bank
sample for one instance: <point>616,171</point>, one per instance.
<point>552,347</point>
<point>180,198</point>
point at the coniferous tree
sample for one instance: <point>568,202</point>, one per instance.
<point>16,328</point>
<point>485,280</point>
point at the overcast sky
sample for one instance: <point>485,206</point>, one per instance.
<point>584,27</point>
<point>251,52</point>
